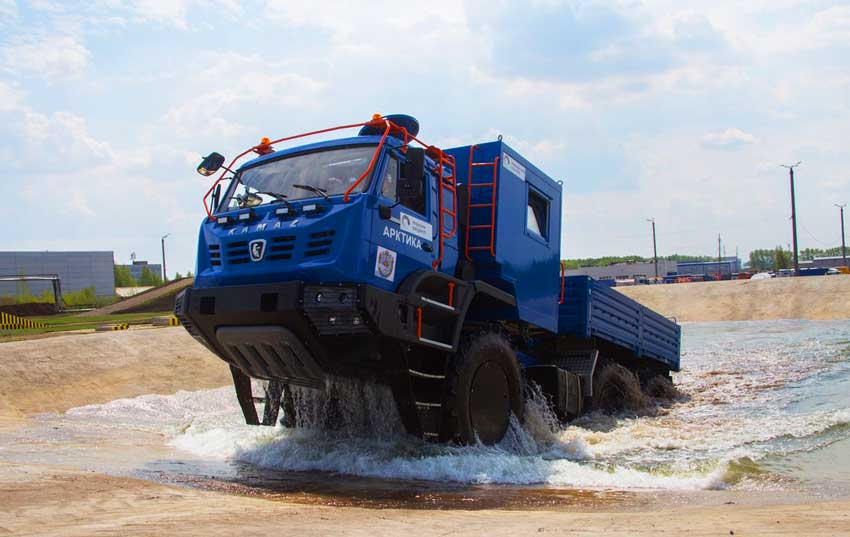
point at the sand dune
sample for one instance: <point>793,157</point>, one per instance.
<point>811,297</point>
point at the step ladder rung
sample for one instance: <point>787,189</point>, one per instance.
<point>476,164</point>
<point>436,344</point>
<point>436,303</point>
<point>479,185</point>
<point>478,248</point>
<point>476,205</point>
<point>422,375</point>
<point>481,226</point>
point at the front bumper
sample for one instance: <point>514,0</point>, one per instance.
<point>299,332</point>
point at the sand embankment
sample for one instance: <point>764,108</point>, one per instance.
<point>811,297</point>
<point>58,373</point>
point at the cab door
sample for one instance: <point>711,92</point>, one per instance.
<point>403,228</point>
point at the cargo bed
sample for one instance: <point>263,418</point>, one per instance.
<point>594,310</point>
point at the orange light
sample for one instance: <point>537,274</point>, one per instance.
<point>376,117</point>
<point>265,147</point>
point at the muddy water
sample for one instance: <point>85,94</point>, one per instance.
<point>766,407</point>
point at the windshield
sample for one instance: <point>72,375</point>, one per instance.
<point>321,173</point>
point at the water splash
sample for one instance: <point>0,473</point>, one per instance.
<point>755,391</point>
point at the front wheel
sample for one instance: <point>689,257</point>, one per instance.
<point>483,389</point>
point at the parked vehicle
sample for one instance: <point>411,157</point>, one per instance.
<point>434,272</point>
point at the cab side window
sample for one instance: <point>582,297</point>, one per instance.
<point>413,199</point>
<point>389,188</point>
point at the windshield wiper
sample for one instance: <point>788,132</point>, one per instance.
<point>277,197</point>
<point>316,190</point>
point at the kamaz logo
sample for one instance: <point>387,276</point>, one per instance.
<point>257,249</point>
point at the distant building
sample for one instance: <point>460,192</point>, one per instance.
<point>137,267</point>
<point>827,262</point>
<point>76,270</point>
<point>621,271</point>
<point>726,266</point>
<point>625,271</point>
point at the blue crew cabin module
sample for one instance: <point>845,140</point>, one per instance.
<point>433,271</point>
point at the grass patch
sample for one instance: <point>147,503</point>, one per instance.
<point>73,321</point>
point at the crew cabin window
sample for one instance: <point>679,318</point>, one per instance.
<point>537,214</point>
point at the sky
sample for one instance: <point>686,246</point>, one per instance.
<point>673,110</point>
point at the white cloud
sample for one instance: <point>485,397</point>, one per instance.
<point>731,138</point>
<point>8,10</point>
<point>54,58</point>
<point>10,98</point>
<point>251,80</point>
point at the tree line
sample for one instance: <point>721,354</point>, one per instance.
<point>147,278</point>
<point>760,260</point>
<point>614,259</point>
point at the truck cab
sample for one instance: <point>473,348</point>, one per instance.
<point>382,258</point>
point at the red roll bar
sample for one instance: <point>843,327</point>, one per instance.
<point>265,147</point>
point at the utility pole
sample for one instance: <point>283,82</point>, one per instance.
<point>164,274</point>
<point>843,248</point>
<point>793,216</point>
<point>654,248</point>
<point>719,260</point>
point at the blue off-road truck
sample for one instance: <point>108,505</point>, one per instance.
<point>432,271</point>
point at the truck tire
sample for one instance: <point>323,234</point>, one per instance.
<point>483,389</point>
<point>615,388</point>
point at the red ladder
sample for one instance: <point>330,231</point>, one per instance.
<point>491,226</point>
<point>448,182</point>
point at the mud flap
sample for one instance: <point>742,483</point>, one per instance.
<point>562,388</point>
<point>244,395</point>
<point>271,408</point>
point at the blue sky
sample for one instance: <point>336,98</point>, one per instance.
<point>681,111</point>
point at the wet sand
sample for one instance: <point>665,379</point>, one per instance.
<point>53,494</point>
<point>40,500</point>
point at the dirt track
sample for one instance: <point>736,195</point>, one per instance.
<point>138,300</point>
<point>811,297</point>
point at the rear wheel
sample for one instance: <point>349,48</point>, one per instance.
<point>615,388</point>
<point>483,389</point>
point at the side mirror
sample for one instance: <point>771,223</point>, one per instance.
<point>216,195</point>
<point>412,173</point>
<point>210,164</point>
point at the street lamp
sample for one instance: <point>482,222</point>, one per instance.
<point>164,274</point>
<point>654,248</point>
<point>843,248</point>
<point>793,216</point>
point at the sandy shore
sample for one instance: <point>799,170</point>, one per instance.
<point>53,498</point>
<point>51,501</point>
<point>811,297</point>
